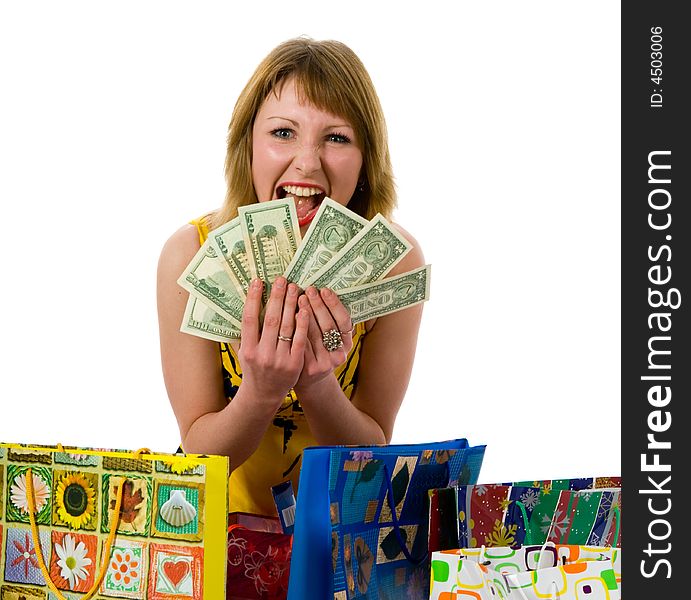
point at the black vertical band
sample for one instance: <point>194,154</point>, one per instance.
<point>656,259</point>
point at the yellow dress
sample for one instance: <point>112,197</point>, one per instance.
<point>278,457</point>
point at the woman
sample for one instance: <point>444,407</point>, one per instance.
<point>307,125</point>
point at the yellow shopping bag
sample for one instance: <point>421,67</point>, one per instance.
<point>115,523</point>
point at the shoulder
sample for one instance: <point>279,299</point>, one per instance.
<point>413,259</point>
<point>179,249</point>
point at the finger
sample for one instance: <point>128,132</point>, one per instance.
<point>314,334</point>
<point>339,312</point>
<point>316,339</point>
<point>272,315</point>
<point>301,343</point>
<point>250,313</point>
<point>321,312</point>
<point>287,328</point>
<point>310,356</point>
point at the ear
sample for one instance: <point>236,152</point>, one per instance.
<point>362,180</point>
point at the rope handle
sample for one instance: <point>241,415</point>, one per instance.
<point>617,515</point>
<point>528,539</point>
<point>137,453</point>
<point>115,520</point>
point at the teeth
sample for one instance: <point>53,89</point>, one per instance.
<point>297,190</point>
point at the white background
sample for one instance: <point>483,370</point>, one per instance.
<point>504,123</point>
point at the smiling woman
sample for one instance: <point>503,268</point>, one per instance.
<point>327,76</point>
<point>308,125</point>
<point>304,152</point>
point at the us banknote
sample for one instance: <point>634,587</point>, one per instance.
<point>369,256</point>
<point>332,228</point>
<point>206,279</point>
<point>229,245</point>
<point>203,321</point>
<point>341,250</point>
<point>272,235</point>
<point>387,296</point>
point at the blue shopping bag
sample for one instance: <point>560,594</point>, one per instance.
<point>362,515</point>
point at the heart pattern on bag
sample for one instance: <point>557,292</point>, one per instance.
<point>176,570</point>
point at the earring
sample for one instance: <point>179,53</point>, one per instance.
<point>361,185</point>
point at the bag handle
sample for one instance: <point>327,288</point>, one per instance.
<point>528,539</point>
<point>396,524</point>
<point>137,453</point>
<point>617,515</point>
<point>115,520</point>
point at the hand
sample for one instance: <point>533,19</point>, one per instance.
<point>271,365</point>
<point>326,313</point>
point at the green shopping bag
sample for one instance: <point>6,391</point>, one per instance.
<point>575,511</point>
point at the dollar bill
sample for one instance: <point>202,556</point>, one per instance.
<point>341,250</point>
<point>388,295</point>
<point>203,321</point>
<point>206,279</point>
<point>272,235</point>
<point>332,228</point>
<point>229,245</point>
<point>369,256</point>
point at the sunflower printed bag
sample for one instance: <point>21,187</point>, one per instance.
<point>80,523</point>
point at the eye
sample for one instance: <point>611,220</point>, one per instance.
<point>282,133</point>
<point>338,138</point>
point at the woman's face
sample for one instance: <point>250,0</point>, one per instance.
<point>301,151</point>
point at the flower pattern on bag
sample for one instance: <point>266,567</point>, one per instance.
<point>18,493</point>
<point>258,564</point>
<point>75,493</point>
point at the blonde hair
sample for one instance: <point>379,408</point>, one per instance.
<point>330,76</point>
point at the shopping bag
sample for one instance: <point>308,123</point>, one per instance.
<point>557,511</point>
<point>507,559</point>
<point>361,517</point>
<point>575,511</point>
<point>258,564</point>
<point>494,514</point>
<point>549,572</point>
<point>592,579</point>
<point>115,523</point>
<point>443,519</point>
<point>591,517</point>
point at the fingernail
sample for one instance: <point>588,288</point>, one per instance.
<point>256,284</point>
<point>326,293</point>
<point>312,292</point>
<point>292,289</point>
<point>280,283</point>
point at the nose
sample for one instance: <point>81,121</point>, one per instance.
<point>307,159</point>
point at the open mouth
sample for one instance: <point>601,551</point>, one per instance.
<point>307,200</point>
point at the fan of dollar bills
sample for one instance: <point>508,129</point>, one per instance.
<point>340,250</point>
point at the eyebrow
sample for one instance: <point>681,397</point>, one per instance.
<point>335,126</point>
